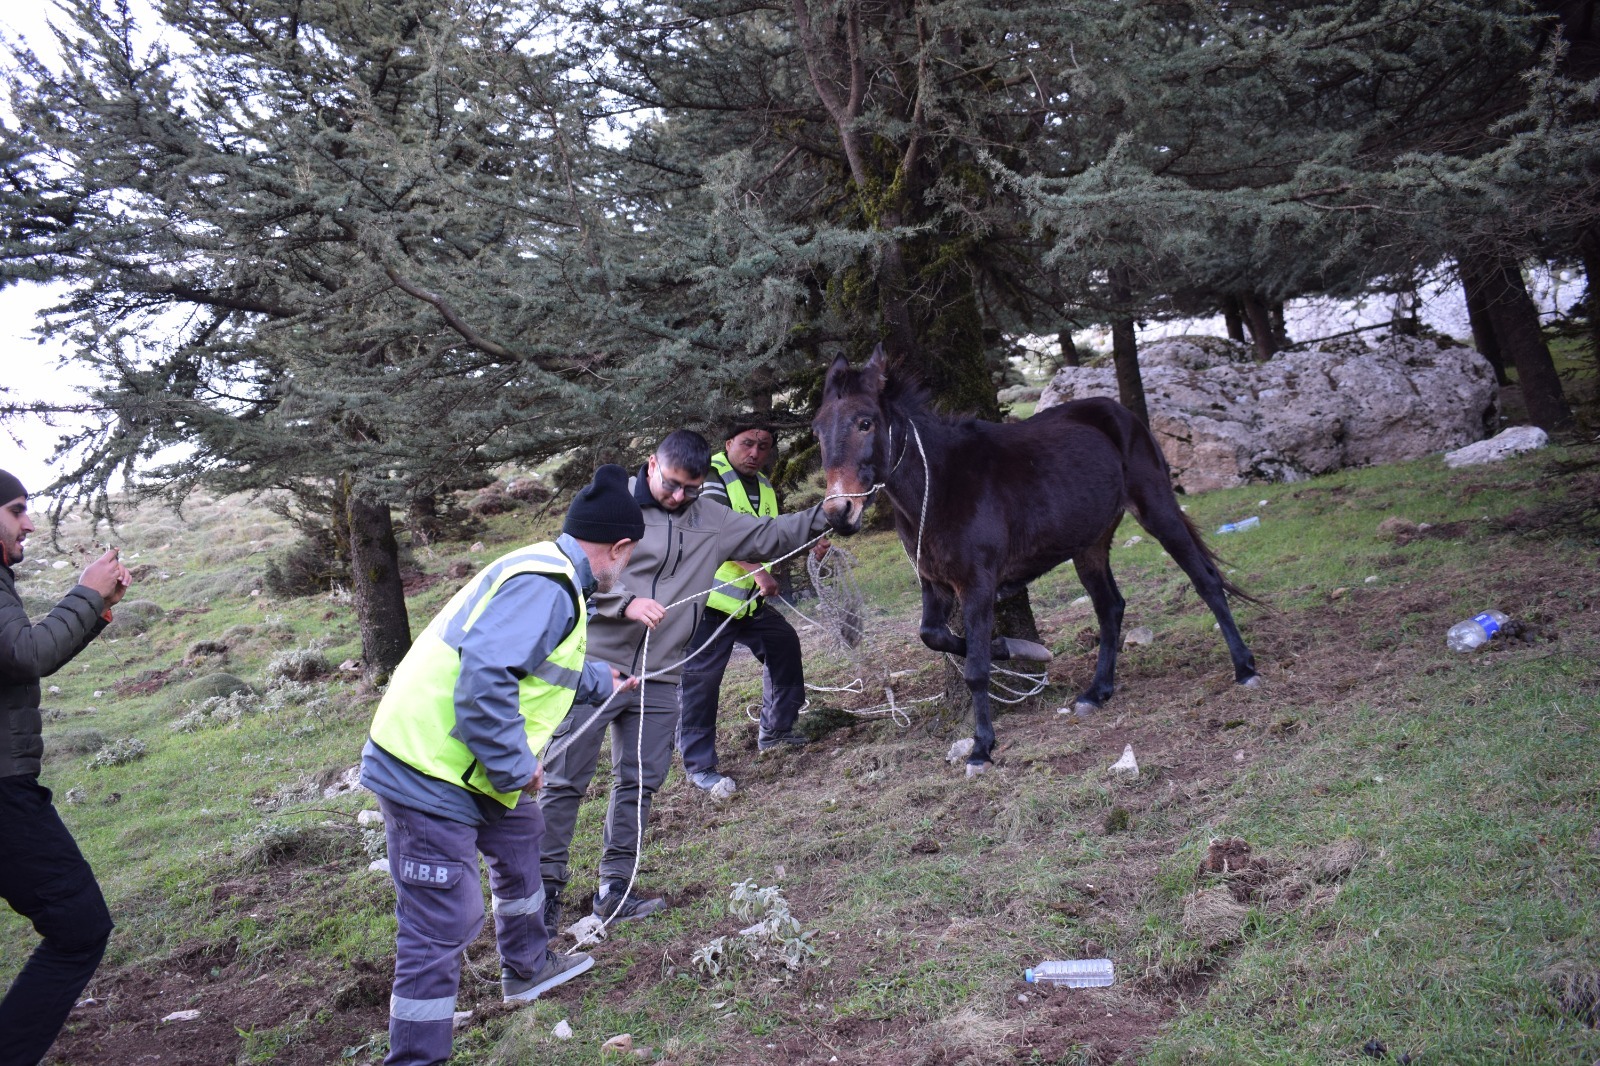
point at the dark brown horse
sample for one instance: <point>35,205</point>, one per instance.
<point>1004,504</point>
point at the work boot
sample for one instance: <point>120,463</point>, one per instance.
<point>766,741</point>
<point>557,970</point>
<point>719,785</point>
<point>611,906</point>
<point>552,909</point>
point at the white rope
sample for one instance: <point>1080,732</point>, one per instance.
<point>890,709</point>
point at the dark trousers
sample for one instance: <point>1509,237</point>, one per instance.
<point>439,907</point>
<point>44,877</point>
<point>570,763</point>
<point>774,643</point>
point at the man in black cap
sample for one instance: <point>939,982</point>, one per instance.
<point>43,875</point>
<point>453,758</point>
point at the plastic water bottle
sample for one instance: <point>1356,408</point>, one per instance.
<point>1475,631</point>
<point>1242,524</point>
<point>1074,973</point>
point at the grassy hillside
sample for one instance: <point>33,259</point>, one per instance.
<point>1384,842</point>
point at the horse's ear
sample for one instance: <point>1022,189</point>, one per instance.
<point>876,371</point>
<point>837,370</point>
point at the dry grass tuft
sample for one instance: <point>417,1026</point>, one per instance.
<point>1575,985</point>
<point>969,1036</point>
<point>1213,917</point>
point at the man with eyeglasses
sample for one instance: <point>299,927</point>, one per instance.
<point>685,541</point>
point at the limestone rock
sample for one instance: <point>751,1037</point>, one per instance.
<point>1503,445</point>
<point>1224,422</point>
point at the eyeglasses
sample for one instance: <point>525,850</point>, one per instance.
<point>671,487</point>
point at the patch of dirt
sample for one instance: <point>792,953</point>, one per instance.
<point>147,682</point>
<point>415,581</point>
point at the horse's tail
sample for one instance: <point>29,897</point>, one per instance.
<point>1217,561</point>
<point>1149,481</point>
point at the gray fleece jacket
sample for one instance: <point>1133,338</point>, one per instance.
<point>678,557</point>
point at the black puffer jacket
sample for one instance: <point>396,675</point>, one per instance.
<point>29,652</point>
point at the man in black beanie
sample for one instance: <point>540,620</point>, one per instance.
<point>453,758</point>
<point>43,875</point>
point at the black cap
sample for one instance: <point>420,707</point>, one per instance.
<point>10,488</point>
<point>604,511</point>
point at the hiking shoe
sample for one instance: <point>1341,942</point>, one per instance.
<point>788,739</point>
<point>611,905</point>
<point>552,909</point>
<point>719,785</point>
<point>557,970</point>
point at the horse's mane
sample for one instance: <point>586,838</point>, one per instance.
<point>909,396</point>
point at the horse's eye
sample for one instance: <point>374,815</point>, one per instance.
<point>864,425</point>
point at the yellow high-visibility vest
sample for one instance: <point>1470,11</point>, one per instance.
<point>418,712</point>
<point>739,598</point>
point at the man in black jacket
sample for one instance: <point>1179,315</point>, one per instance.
<point>43,876</point>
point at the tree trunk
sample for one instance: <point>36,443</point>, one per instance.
<point>1516,324</point>
<point>423,523</point>
<point>1589,248</point>
<point>1259,320</point>
<point>1280,331</point>
<point>1069,349</point>
<point>375,579</point>
<point>1233,318</point>
<point>1125,347</point>
<point>1483,337</point>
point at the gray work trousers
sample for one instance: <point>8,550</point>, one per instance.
<point>439,908</point>
<point>569,767</point>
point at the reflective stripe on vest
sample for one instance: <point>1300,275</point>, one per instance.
<point>418,713</point>
<point>738,598</point>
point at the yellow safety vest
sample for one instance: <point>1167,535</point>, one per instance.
<point>418,713</point>
<point>738,598</point>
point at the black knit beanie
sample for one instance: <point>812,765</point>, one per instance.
<point>10,488</point>
<point>604,511</point>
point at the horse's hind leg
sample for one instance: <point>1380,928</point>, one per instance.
<point>1182,541</point>
<point>1094,570</point>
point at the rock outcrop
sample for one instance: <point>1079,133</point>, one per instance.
<point>1225,420</point>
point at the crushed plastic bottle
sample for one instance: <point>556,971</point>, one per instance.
<point>1242,524</point>
<point>1476,631</point>
<point>1073,973</point>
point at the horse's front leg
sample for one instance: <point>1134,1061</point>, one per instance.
<point>936,603</point>
<point>978,614</point>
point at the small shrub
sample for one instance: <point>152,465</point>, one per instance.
<point>210,686</point>
<point>776,936</point>
<point>74,742</point>
<point>118,752</point>
<point>132,617</point>
<point>312,565</point>
<point>299,664</point>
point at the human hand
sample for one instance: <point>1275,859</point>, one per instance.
<point>107,576</point>
<point>766,584</point>
<point>645,611</point>
<point>821,548</point>
<point>532,787</point>
<point>621,682</point>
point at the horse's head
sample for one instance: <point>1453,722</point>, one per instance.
<point>853,431</point>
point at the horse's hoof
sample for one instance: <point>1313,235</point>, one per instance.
<point>1028,651</point>
<point>976,768</point>
<point>1253,681</point>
